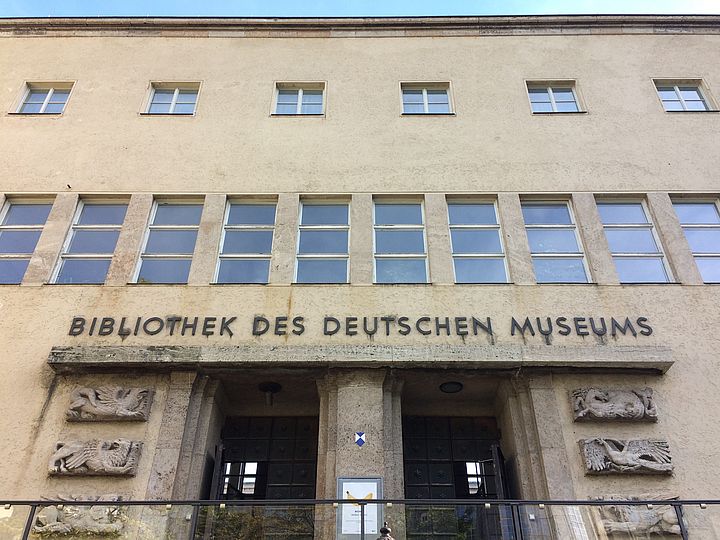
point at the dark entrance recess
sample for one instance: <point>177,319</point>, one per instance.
<point>454,458</point>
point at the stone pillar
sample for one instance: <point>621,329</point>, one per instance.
<point>677,249</point>
<point>205,255</point>
<point>516,243</point>
<point>282,263</point>
<point>130,240</point>
<point>361,239</point>
<point>600,261</point>
<point>51,240</point>
<point>438,237</point>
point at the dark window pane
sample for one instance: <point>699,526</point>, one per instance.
<point>287,96</point>
<point>12,270</point>
<point>400,271</point>
<point>59,96</point>
<point>18,241</point>
<point>398,214</point>
<point>703,240</point>
<point>31,108</point>
<point>312,97</point>
<point>171,242</point>
<point>325,214</point>
<point>709,269</point>
<point>475,241</point>
<point>412,96</point>
<point>164,271</point>
<point>480,271</point>
<point>472,214</point>
<point>27,214</point>
<point>178,214</point>
<point>83,271</point>
<point>247,242</point>
<point>559,270</point>
<point>412,108</point>
<point>673,106</point>
<point>631,241</point>
<point>283,108</point>
<point>243,271</point>
<point>312,108</point>
<point>323,242</point>
<point>438,108</point>
<point>159,108</point>
<point>187,96</point>
<point>539,95</point>
<point>691,213</point>
<point>93,241</point>
<point>563,94</point>
<point>163,96</point>
<point>695,105</point>
<point>542,107</point>
<point>566,106</point>
<point>322,271</point>
<point>620,213</point>
<point>546,214</point>
<point>103,214</point>
<point>552,241</point>
<point>184,108</point>
<point>690,93</point>
<point>667,93</point>
<point>389,241</point>
<point>251,214</point>
<point>54,108</point>
<point>36,96</point>
<point>437,96</point>
<point>640,270</point>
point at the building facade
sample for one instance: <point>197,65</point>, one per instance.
<point>452,258</point>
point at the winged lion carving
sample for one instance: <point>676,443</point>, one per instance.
<point>118,457</point>
<point>109,403</point>
<point>643,456</point>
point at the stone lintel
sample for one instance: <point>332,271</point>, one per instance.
<point>500,357</point>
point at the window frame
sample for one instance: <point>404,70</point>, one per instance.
<point>300,87</point>
<point>637,226</point>
<point>74,226</point>
<point>333,256</point>
<point>423,226</point>
<point>699,200</point>
<point>51,87</point>
<point>150,227</point>
<point>468,255</point>
<point>698,83</point>
<point>425,86</point>
<point>3,213</point>
<point>245,256</point>
<point>548,86</point>
<point>177,87</point>
<point>582,253</point>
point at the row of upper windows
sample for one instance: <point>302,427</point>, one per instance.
<point>322,253</point>
<point>308,99</point>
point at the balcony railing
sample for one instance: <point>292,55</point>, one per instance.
<point>361,520</point>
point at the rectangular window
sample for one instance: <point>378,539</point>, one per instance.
<point>682,96</point>
<point>246,243</point>
<point>91,243</point>
<point>546,97</point>
<point>701,222</point>
<point>400,253</point>
<point>20,229</point>
<point>555,246</point>
<point>45,98</point>
<point>323,243</point>
<point>299,99</point>
<point>170,243</point>
<point>477,248</point>
<point>173,98</point>
<point>633,244</point>
<point>426,98</point>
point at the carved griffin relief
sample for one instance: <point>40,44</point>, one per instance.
<point>640,456</point>
<point>118,457</point>
<point>85,520</point>
<point>638,520</point>
<point>606,404</point>
<point>109,403</point>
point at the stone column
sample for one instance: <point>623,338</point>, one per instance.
<point>282,263</point>
<point>438,236</point>
<point>205,255</point>
<point>516,243</point>
<point>130,240</point>
<point>51,240</point>
<point>361,239</point>
<point>677,249</point>
<point>600,261</point>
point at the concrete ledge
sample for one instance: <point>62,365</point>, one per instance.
<point>504,357</point>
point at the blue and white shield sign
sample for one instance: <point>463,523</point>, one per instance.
<point>360,438</point>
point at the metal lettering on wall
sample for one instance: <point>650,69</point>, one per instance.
<point>543,327</point>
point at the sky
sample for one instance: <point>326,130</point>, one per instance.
<point>343,8</point>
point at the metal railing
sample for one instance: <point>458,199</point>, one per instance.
<point>326,519</point>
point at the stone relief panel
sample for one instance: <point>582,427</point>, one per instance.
<point>87,520</point>
<point>607,404</point>
<point>118,457</point>
<point>638,520</point>
<point>615,456</point>
<point>109,403</point>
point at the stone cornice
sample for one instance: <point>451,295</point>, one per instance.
<point>362,26</point>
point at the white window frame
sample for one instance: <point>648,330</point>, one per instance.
<point>638,226</point>
<point>714,226</point>
<point>675,84</point>
<point>425,86</point>
<point>548,86</point>
<point>64,254</point>
<point>3,213</point>
<point>241,256</point>
<point>559,226</point>
<point>177,87</point>
<point>42,86</point>
<point>301,227</point>
<point>402,227</point>
<point>486,227</point>
<point>150,227</point>
<point>300,87</point>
